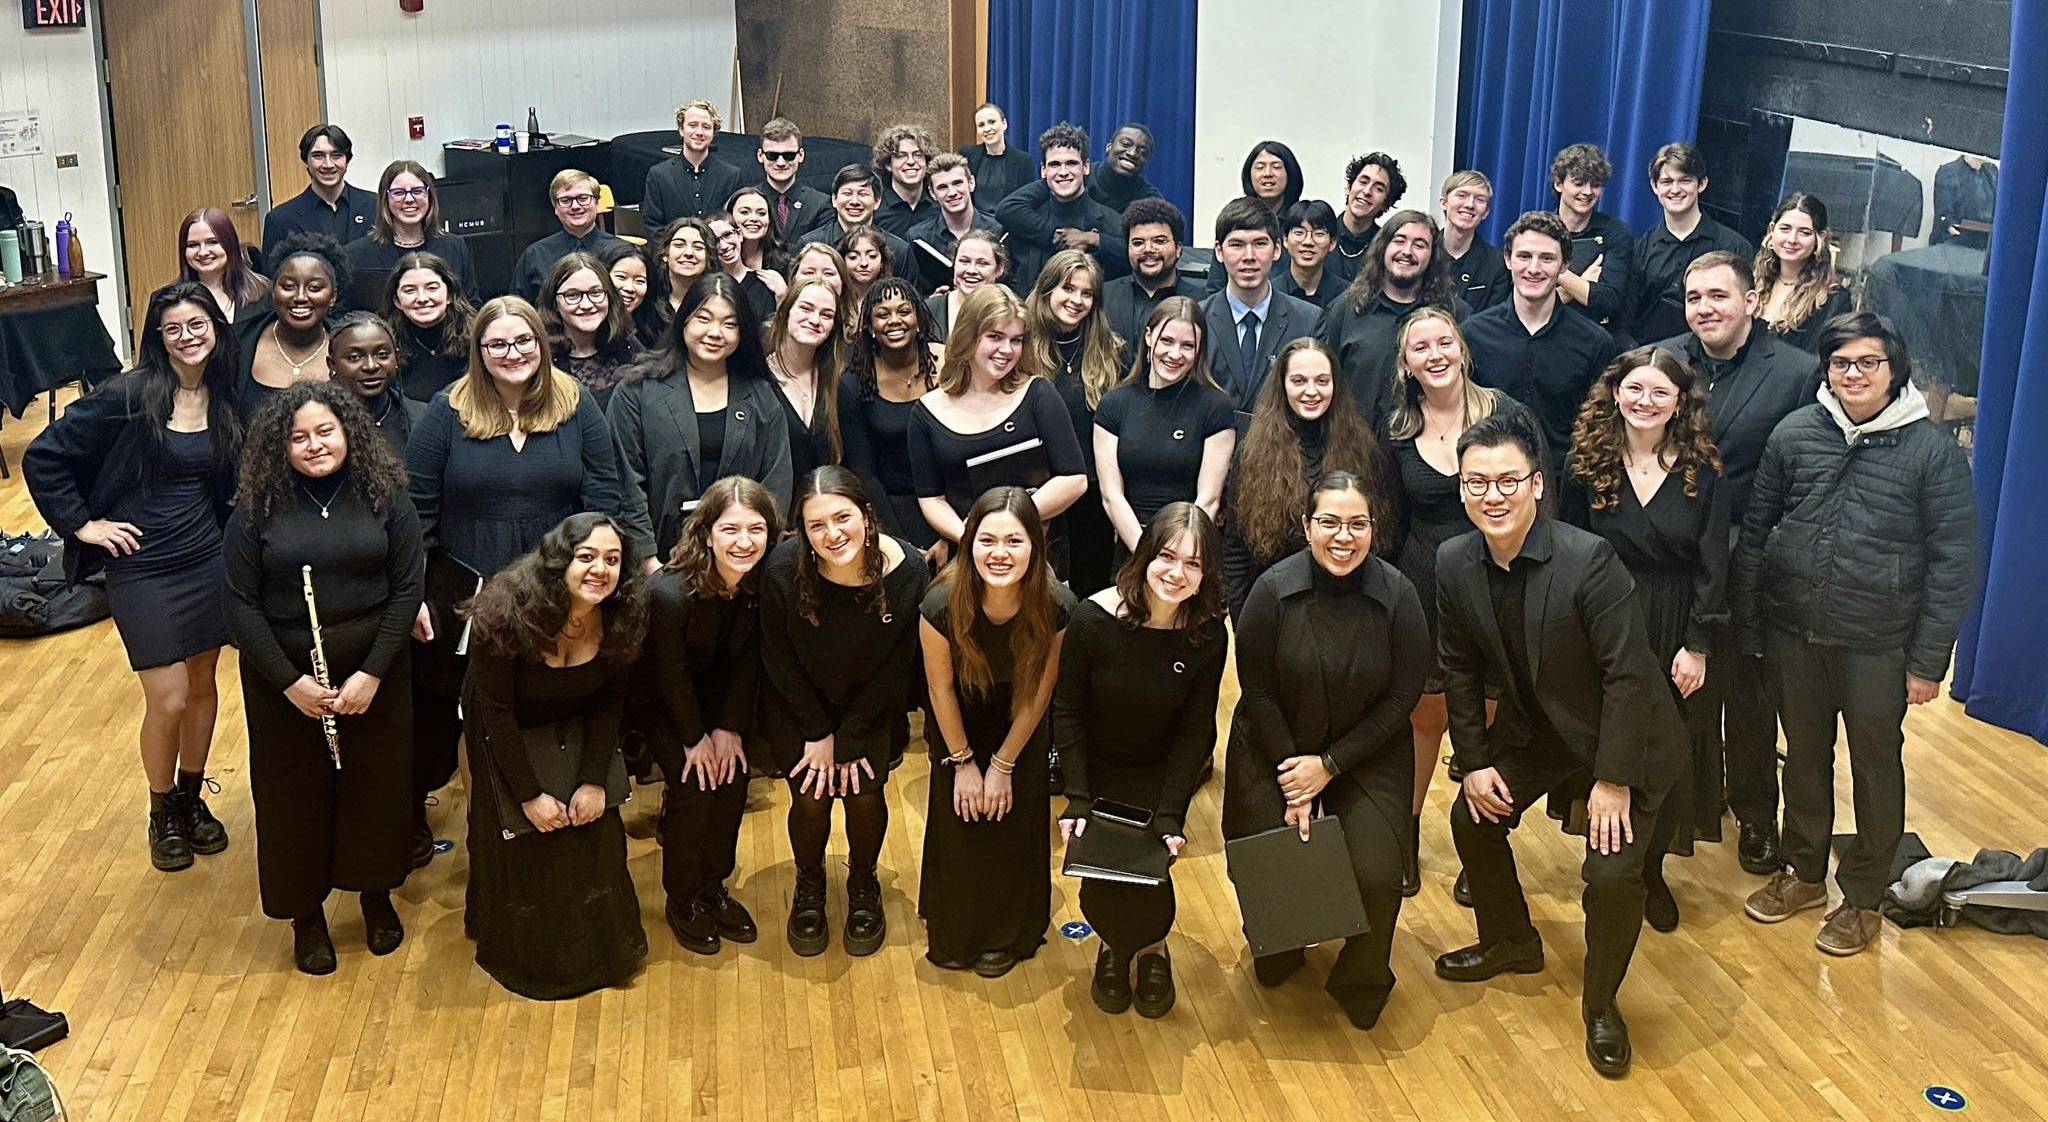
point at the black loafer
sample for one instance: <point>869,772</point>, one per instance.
<point>694,926</point>
<point>1607,1045</point>
<point>733,920</point>
<point>1758,850</point>
<point>382,930</point>
<point>994,964</point>
<point>1155,985</point>
<point>1660,908</point>
<point>1461,890</point>
<point>312,949</point>
<point>1274,969</point>
<point>1111,989</point>
<point>1478,962</point>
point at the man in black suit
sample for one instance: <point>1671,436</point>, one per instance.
<point>793,207</point>
<point>1249,321</point>
<point>1546,612</point>
<point>1754,380</point>
<point>329,204</point>
<point>1056,213</point>
<point>691,182</point>
<point>1154,231</point>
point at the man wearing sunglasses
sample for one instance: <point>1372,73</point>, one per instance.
<point>793,208</point>
<point>574,194</point>
<point>1545,612</point>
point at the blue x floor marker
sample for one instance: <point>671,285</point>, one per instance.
<point>1945,1098</point>
<point>1076,930</point>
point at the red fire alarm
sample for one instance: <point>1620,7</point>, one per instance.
<point>416,127</point>
<point>411,6</point>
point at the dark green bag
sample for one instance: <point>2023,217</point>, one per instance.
<point>27,1093</point>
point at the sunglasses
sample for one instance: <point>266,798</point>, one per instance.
<point>781,157</point>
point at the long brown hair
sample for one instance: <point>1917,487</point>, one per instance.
<point>1365,287</point>
<point>1099,344</point>
<point>826,361</point>
<point>1600,436</point>
<point>692,555</point>
<point>238,278</point>
<point>521,610</point>
<point>1272,476</point>
<point>551,397</point>
<point>831,479</point>
<point>1404,418</point>
<point>1817,281</point>
<point>1033,629</point>
<point>1198,612</point>
<point>1169,310</point>
<point>455,320</point>
<point>267,481</point>
<point>988,305</point>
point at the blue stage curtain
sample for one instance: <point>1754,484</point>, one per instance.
<point>1100,63</point>
<point>1537,75</point>
<point>2001,674</point>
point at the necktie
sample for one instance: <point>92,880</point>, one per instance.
<point>782,213</point>
<point>1248,340</point>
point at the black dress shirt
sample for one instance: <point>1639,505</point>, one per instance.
<point>996,176</point>
<point>1657,275</point>
<point>1481,277</point>
<point>1549,370</point>
<point>349,218</point>
<point>675,189</point>
<point>899,217</point>
<point>1605,239</point>
<point>1117,191</point>
<point>1514,726</point>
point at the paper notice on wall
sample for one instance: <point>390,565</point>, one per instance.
<point>21,133</point>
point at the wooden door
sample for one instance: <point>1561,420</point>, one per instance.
<point>178,87</point>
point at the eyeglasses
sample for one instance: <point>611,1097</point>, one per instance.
<point>499,348</point>
<point>1659,396</point>
<point>401,194</point>
<point>1476,486</point>
<point>781,157</point>
<point>582,200</point>
<point>911,155</point>
<point>1865,364</point>
<point>593,297</point>
<point>194,328</point>
<point>1331,524</point>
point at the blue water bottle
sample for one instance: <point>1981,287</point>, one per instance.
<point>504,139</point>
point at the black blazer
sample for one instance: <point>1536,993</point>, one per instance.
<point>1590,664</point>
<point>1771,379</point>
<point>1287,318</point>
<point>808,206</point>
<point>654,422</point>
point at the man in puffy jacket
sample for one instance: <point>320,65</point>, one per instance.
<point>1857,560</point>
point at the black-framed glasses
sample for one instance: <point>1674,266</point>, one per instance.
<point>499,348</point>
<point>781,157</point>
<point>401,194</point>
<point>593,297</point>
<point>584,199</point>
<point>1331,524</point>
<point>1477,486</point>
<point>1864,364</point>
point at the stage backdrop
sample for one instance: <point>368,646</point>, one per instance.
<point>2001,676</point>
<point>1540,74</point>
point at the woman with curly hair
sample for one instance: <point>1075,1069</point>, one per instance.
<point>1797,288</point>
<point>803,346</point>
<point>839,649</point>
<point>896,357</point>
<point>1303,426</point>
<point>323,502</point>
<point>1644,474</point>
<point>286,343</point>
<point>1071,344</point>
<point>430,318</point>
<point>553,638</point>
<point>993,622</point>
<point>694,700</point>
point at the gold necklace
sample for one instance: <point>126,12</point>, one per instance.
<point>297,367</point>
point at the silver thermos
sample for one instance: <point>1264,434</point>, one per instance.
<point>35,250</point>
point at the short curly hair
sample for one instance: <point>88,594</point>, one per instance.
<point>1397,184</point>
<point>1583,162</point>
<point>1066,134</point>
<point>321,248</point>
<point>885,145</point>
<point>1153,211</point>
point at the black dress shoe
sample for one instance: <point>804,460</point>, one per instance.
<point>312,949</point>
<point>208,835</point>
<point>1660,908</point>
<point>1461,890</point>
<point>1273,969</point>
<point>422,845</point>
<point>866,923</point>
<point>1607,1044</point>
<point>1758,850</point>
<point>994,964</point>
<point>1478,962</point>
<point>1411,859</point>
<point>808,930</point>
<point>382,930</point>
<point>170,847</point>
<point>1363,1005</point>
<point>734,921</point>
<point>1155,985</point>
<point>1111,989</point>
<point>695,926</point>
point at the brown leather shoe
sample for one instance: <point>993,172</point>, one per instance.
<point>1782,897</point>
<point>1848,929</point>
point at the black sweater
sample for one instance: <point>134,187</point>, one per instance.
<point>701,666</point>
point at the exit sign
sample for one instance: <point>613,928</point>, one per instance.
<point>37,14</point>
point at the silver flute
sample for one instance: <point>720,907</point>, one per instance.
<point>320,673</point>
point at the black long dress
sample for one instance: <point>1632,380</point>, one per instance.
<point>553,914</point>
<point>876,434</point>
<point>987,886</point>
<point>317,828</point>
<point>1090,541</point>
<point>1135,719</point>
<point>1676,548</point>
<point>1433,512</point>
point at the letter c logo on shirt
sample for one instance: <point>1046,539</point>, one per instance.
<point>1009,426</point>
<point>1180,668</point>
<point>1180,434</point>
<point>739,414</point>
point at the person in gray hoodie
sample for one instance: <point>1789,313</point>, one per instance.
<point>1859,549</point>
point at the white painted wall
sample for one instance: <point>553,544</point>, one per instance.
<point>594,67</point>
<point>1330,78</point>
<point>56,74</point>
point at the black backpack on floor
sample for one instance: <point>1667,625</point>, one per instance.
<point>35,599</point>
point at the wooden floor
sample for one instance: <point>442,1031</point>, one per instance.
<point>184,1004</point>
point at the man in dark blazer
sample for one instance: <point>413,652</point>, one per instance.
<point>1154,231</point>
<point>1250,320</point>
<point>1546,613</point>
<point>793,207</point>
<point>692,182</point>
<point>1754,380</point>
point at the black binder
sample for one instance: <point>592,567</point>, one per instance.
<point>1118,846</point>
<point>1292,893</point>
<point>553,751</point>
<point>1023,464</point>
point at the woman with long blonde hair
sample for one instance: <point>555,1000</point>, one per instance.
<point>1797,287</point>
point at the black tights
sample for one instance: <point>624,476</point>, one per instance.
<point>810,827</point>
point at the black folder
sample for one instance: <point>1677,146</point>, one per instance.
<point>1023,464</point>
<point>553,750</point>
<point>1292,893</point>
<point>450,582</point>
<point>1120,848</point>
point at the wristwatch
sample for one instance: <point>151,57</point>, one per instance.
<point>1329,764</point>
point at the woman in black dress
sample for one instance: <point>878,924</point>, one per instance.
<point>1331,653</point>
<point>991,638</point>
<point>511,449</point>
<point>286,343</point>
<point>1434,399</point>
<point>138,476</point>
<point>694,700</point>
<point>760,257</point>
<point>1304,425</point>
<point>431,320</point>
<point>839,652</point>
<point>803,355</point>
<point>1135,719</point>
<point>550,902</point>
<point>1797,287</point>
<point>700,408</point>
<point>1071,343</point>
<point>626,264</point>
<point>1645,475</point>
<point>587,325</point>
<point>989,402</point>
<point>895,361</point>
<point>323,501</point>
<point>409,221</point>
<point>362,356</point>
<point>1166,433</point>
<point>726,248</point>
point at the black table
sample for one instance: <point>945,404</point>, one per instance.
<point>50,336</point>
<point>1936,295</point>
